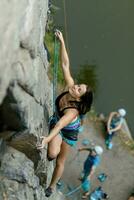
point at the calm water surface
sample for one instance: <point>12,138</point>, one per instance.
<point>101,33</point>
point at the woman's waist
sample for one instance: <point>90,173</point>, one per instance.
<point>71,135</point>
<point>74,125</point>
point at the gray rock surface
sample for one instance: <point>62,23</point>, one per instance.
<point>25,100</point>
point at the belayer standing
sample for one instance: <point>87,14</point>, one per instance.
<point>90,164</point>
<point>114,124</point>
<point>75,101</point>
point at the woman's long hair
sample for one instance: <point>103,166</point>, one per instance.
<point>85,101</point>
<point>84,105</point>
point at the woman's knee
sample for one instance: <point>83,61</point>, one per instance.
<point>51,155</point>
<point>54,148</point>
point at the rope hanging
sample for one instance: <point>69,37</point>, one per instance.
<point>84,185</point>
<point>73,191</point>
<point>55,70</point>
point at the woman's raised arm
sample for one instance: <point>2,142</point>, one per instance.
<point>64,60</point>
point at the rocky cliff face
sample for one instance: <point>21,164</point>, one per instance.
<point>25,100</point>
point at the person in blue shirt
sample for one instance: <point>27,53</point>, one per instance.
<point>114,124</point>
<point>90,164</point>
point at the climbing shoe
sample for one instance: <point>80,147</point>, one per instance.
<point>59,183</point>
<point>48,192</point>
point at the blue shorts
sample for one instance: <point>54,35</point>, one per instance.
<point>72,143</point>
<point>52,122</point>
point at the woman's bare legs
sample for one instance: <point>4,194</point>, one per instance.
<point>60,162</point>
<point>54,147</point>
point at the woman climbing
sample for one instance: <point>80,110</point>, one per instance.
<point>64,127</point>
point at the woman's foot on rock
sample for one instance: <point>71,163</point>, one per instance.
<point>48,192</point>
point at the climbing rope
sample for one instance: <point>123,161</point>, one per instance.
<point>55,74</point>
<point>55,70</point>
<point>65,24</point>
<point>85,185</point>
<point>73,191</point>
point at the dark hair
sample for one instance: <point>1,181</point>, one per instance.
<point>85,101</point>
<point>132,195</point>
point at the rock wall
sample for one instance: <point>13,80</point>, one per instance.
<point>25,100</point>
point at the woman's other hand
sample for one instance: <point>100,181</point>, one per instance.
<point>43,142</point>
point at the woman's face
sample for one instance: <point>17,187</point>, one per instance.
<point>77,91</point>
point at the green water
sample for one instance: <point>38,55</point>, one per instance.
<point>100,33</point>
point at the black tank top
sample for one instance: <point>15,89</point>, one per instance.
<point>68,102</point>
